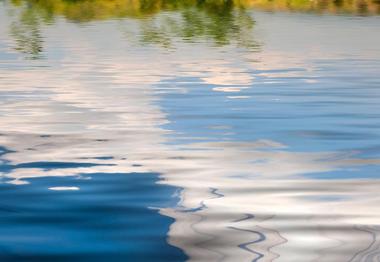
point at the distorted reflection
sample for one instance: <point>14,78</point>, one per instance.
<point>159,22</point>
<point>201,150</point>
<point>162,20</point>
<point>88,10</point>
<point>27,33</point>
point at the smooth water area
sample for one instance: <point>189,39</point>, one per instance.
<point>189,130</point>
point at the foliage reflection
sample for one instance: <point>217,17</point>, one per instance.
<point>160,21</point>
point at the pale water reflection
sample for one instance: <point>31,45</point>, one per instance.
<point>138,133</point>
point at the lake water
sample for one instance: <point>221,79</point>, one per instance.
<point>190,130</point>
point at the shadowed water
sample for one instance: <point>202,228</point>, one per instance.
<point>189,130</point>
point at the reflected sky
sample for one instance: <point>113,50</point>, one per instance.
<point>266,124</point>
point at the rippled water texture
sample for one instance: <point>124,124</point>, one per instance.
<point>189,130</point>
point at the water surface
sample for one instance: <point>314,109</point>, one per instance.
<point>189,130</point>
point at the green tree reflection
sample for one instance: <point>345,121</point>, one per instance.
<point>222,22</point>
<point>27,34</point>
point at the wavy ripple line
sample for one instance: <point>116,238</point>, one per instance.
<point>245,245</point>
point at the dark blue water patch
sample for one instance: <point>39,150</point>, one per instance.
<point>4,162</point>
<point>4,151</point>
<point>109,218</point>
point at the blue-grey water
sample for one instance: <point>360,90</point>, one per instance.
<point>194,132</point>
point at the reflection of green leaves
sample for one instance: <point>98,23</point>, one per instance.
<point>27,35</point>
<point>160,33</point>
<point>223,26</point>
<point>222,22</point>
<point>160,21</point>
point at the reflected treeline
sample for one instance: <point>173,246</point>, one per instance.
<point>357,7</point>
<point>87,10</point>
<point>219,21</point>
<point>160,21</point>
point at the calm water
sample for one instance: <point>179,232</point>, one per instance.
<point>189,130</point>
